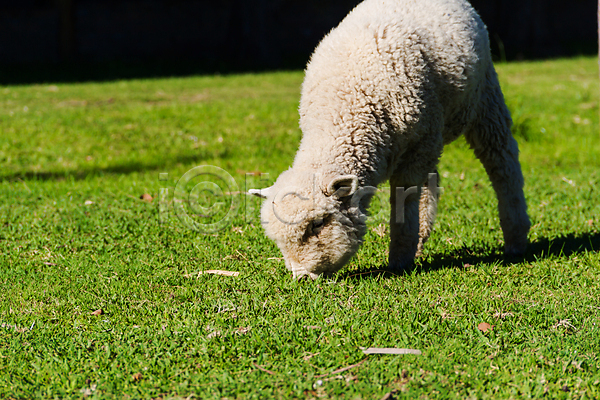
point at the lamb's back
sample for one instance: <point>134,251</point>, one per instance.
<point>380,68</point>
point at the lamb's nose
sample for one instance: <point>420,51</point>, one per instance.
<point>298,271</point>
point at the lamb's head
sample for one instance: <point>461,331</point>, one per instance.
<point>317,220</point>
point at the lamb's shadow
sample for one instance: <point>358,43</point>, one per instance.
<point>541,248</point>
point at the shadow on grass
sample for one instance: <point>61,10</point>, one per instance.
<point>542,248</point>
<point>162,165</point>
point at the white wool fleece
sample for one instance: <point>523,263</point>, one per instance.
<point>383,93</point>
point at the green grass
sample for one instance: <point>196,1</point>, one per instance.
<point>76,237</point>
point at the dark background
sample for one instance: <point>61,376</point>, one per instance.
<point>106,39</point>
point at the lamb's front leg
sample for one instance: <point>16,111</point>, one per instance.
<point>428,209</point>
<point>404,224</point>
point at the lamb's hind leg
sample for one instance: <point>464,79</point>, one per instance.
<point>428,209</point>
<point>496,148</point>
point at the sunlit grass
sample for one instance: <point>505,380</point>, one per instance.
<point>75,237</point>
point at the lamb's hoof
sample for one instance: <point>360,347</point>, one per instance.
<point>401,267</point>
<point>515,250</point>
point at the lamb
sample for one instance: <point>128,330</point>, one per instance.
<point>383,93</point>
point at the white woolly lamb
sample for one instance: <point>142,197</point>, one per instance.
<point>383,93</point>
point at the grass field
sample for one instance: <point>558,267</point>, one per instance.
<point>75,237</point>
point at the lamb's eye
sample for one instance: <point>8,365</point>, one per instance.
<point>317,225</point>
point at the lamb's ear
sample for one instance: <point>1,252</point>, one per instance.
<point>262,193</point>
<point>342,186</point>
